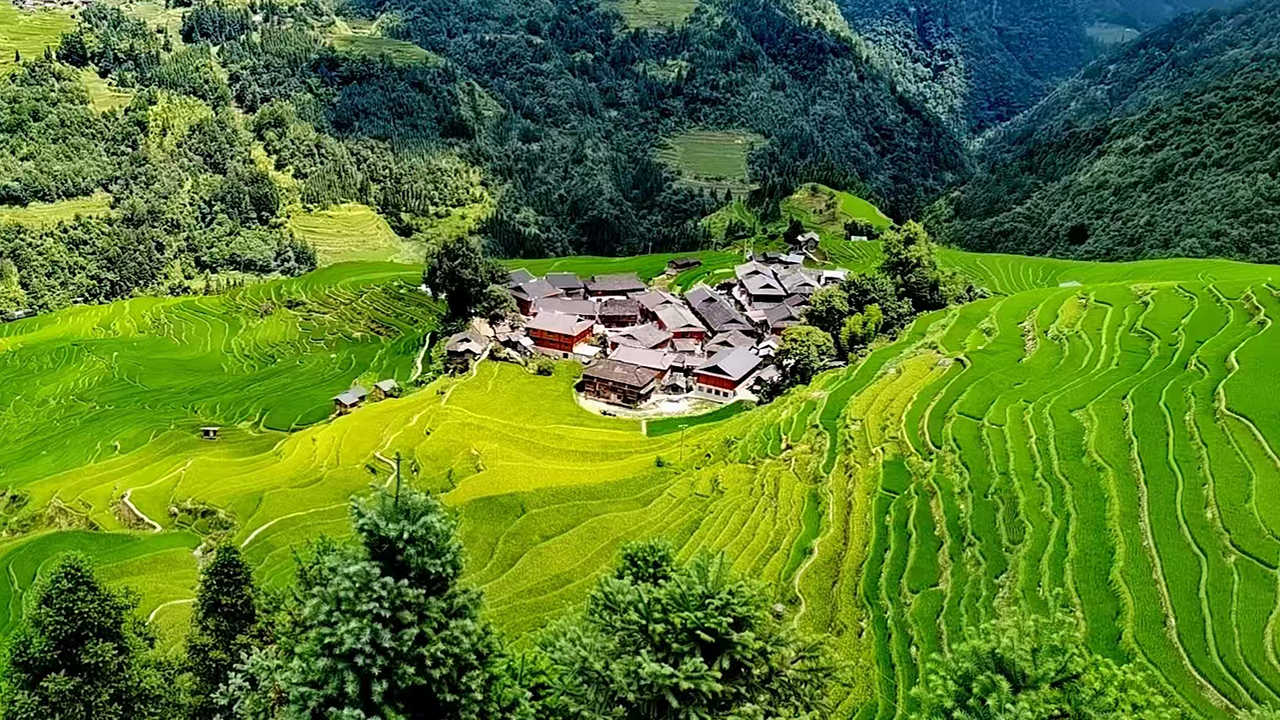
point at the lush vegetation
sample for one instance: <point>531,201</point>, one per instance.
<point>1165,148</point>
<point>1117,408</point>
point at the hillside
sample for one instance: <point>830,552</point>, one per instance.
<point>1173,137</point>
<point>981,62</point>
<point>890,502</point>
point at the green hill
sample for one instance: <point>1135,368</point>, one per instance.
<point>890,502</point>
<point>1166,147</point>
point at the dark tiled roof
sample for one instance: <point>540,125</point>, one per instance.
<point>653,299</point>
<point>614,307</point>
<point>558,324</point>
<point>733,364</point>
<point>624,283</point>
<point>386,385</point>
<point>683,263</point>
<point>536,290</point>
<point>643,336</point>
<point>565,281</point>
<point>732,339</point>
<point>466,341</point>
<point>716,312</point>
<point>519,277</point>
<point>620,372</point>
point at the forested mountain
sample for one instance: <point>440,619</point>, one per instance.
<point>981,62</point>
<point>1168,147</point>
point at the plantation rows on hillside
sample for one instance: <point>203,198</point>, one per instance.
<point>1110,438</point>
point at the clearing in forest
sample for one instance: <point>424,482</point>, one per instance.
<point>29,33</point>
<point>652,13</point>
<point>711,159</point>
<point>352,232</point>
<point>46,214</point>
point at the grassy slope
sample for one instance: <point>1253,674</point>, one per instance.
<point>29,33</point>
<point>950,483</point>
<point>711,160</point>
<point>43,214</point>
<point>351,232</point>
<point>649,13</point>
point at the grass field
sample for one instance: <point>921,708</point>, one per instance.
<point>365,38</point>
<point>712,160</point>
<point>103,96</point>
<point>651,13</point>
<point>352,232</point>
<point>45,214</point>
<point>29,33</point>
<point>1114,438</point>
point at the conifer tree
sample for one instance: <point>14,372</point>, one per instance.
<point>225,627</point>
<point>81,652</point>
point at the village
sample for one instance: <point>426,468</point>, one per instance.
<point>641,344</point>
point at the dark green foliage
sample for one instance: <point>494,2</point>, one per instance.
<point>1035,667</point>
<point>827,309</point>
<point>666,641</point>
<point>81,652</point>
<point>199,206</point>
<point>216,22</point>
<point>1167,147</point>
<point>471,283</point>
<point>981,62</point>
<point>114,43</point>
<point>383,629</point>
<point>225,629</point>
<point>804,352</point>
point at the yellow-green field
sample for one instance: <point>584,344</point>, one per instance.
<point>365,38</point>
<point>652,13</point>
<point>709,159</point>
<point>46,214</point>
<point>102,94</point>
<point>352,232</point>
<point>1103,430</point>
<point>29,33</point>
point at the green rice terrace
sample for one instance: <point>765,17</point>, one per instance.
<point>1107,430</point>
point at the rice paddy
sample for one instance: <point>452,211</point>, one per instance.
<point>28,33</point>
<point>651,13</point>
<point>711,160</point>
<point>47,214</point>
<point>1108,431</point>
<point>352,232</point>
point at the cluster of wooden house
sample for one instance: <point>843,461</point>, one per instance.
<point>345,402</point>
<point>638,342</point>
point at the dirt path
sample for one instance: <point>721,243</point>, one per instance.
<point>417,363</point>
<point>155,526</point>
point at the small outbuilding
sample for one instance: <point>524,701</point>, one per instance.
<point>680,264</point>
<point>209,433</point>
<point>384,389</point>
<point>344,403</point>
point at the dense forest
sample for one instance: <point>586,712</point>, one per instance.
<point>981,62</point>
<point>557,110</point>
<point>1168,147</point>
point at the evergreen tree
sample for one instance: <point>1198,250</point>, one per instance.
<point>224,628</point>
<point>383,629</point>
<point>81,652</point>
<point>1034,667</point>
<point>664,641</point>
<point>471,283</point>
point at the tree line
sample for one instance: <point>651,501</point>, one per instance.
<point>382,626</point>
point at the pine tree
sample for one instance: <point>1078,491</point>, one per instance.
<point>224,628</point>
<point>81,652</point>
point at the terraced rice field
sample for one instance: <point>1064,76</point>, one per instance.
<point>712,160</point>
<point>352,232</point>
<point>45,214</point>
<point>29,33</point>
<point>651,13</point>
<point>1114,438</point>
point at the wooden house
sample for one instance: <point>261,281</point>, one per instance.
<point>618,382</point>
<point>557,335</point>
<point>721,376</point>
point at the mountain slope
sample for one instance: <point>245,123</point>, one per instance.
<point>981,62</point>
<point>1170,146</point>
